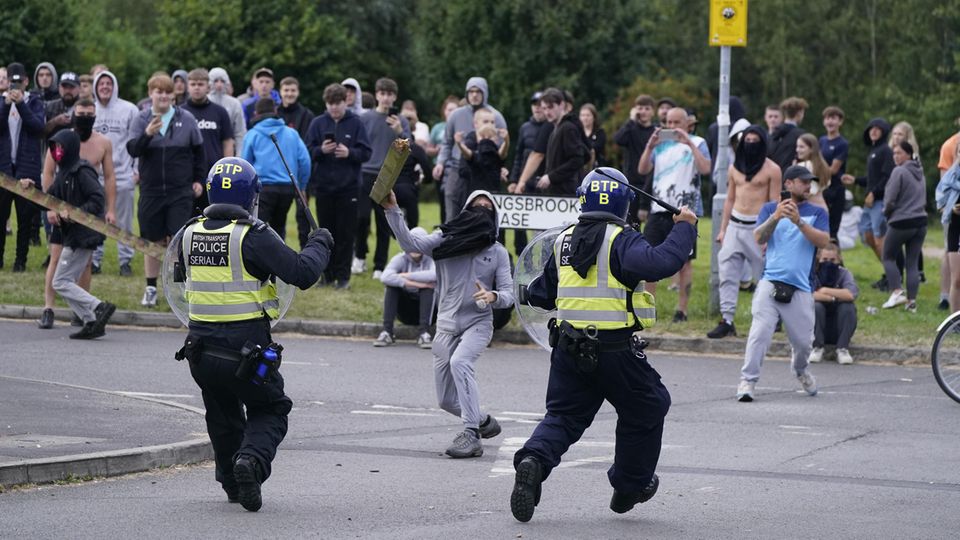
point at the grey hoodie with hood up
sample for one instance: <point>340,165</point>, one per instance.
<point>358,101</point>
<point>457,276</point>
<point>231,104</point>
<point>115,121</point>
<point>462,120</point>
<point>53,92</point>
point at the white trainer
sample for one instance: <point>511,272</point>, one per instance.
<point>808,382</point>
<point>843,357</point>
<point>425,341</point>
<point>816,355</point>
<point>377,274</point>
<point>383,340</point>
<point>897,298</point>
<point>149,297</point>
<point>745,391</point>
<point>358,266</point>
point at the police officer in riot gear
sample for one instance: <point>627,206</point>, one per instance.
<point>593,280</point>
<point>228,260</point>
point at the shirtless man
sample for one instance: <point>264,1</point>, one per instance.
<point>754,180</point>
<point>98,151</point>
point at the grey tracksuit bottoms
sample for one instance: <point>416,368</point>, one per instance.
<point>454,361</point>
<point>72,263</point>
<point>798,321</point>
<point>739,256</point>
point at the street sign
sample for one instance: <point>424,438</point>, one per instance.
<point>536,212</point>
<point>728,23</point>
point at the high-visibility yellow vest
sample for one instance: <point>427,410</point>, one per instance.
<point>598,300</point>
<point>218,287</point>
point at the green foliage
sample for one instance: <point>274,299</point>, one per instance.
<point>33,31</point>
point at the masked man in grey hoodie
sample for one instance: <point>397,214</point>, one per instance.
<point>219,84</point>
<point>473,279</point>
<point>461,120</point>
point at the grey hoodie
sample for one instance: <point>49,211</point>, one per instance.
<point>462,120</point>
<point>231,104</point>
<point>358,101</point>
<point>54,86</point>
<point>115,121</point>
<point>457,276</point>
<point>905,196</point>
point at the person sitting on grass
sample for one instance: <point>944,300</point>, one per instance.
<point>835,292</point>
<point>410,279</point>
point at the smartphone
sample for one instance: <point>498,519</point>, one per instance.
<point>329,137</point>
<point>669,135</point>
<point>394,111</point>
<point>16,85</point>
<point>784,194</point>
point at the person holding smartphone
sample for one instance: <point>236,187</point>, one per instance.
<point>338,145</point>
<point>21,130</point>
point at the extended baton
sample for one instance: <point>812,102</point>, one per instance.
<point>301,200</point>
<point>670,208</point>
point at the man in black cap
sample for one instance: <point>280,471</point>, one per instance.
<point>525,143</point>
<point>663,107</point>
<point>59,110</point>
<point>21,130</point>
<point>262,87</point>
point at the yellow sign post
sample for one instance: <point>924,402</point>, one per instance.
<point>728,23</point>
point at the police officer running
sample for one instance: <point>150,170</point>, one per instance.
<point>593,280</point>
<point>229,259</point>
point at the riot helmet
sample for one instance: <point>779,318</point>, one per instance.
<point>233,180</point>
<point>605,189</point>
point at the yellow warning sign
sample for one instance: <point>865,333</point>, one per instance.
<point>728,23</point>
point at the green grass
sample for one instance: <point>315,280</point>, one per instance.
<point>363,302</point>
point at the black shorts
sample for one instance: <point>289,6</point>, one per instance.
<point>953,233</point>
<point>161,217</point>
<point>657,229</point>
<point>56,235</point>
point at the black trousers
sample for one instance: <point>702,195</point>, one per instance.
<point>835,324</point>
<point>337,212</point>
<point>275,201</point>
<point>412,308</point>
<point>256,433</point>
<point>627,381</point>
<point>26,211</point>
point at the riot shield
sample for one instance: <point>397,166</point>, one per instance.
<point>174,285</point>
<point>530,265</point>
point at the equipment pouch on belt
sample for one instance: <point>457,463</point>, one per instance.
<point>192,347</point>
<point>581,345</point>
<point>249,358</point>
<point>783,292</point>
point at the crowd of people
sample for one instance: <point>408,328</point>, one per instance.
<point>166,143</point>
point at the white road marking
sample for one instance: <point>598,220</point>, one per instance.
<point>517,413</point>
<point>148,394</point>
<point>393,413</point>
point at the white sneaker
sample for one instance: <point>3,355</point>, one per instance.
<point>745,391</point>
<point>149,297</point>
<point>425,341</point>
<point>843,357</point>
<point>911,307</point>
<point>358,266</point>
<point>816,355</point>
<point>383,340</point>
<point>897,298</point>
<point>377,274</point>
<point>808,382</point>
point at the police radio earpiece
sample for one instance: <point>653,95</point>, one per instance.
<point>670,208</point>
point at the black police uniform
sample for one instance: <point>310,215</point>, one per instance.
<point>621,375</point>
<point>258,433</point>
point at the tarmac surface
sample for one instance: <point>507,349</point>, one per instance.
<point>872,456</point>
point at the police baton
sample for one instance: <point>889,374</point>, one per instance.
<point>301,200</point>
<point>670,208</point>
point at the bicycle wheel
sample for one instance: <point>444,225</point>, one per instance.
<point>945,356</point>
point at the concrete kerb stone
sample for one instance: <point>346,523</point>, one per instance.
<point>668,343</point>
<point>110,463</point>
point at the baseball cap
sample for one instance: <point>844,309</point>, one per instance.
<point>667,100</point>
<point>16,71</point>
<point>535,98</point>
<point>798,172</point>
<point>69,78</point>
<point>263,71</point>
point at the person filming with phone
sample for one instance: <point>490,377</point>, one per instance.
<point>677,160</point>
<point>792,230</point>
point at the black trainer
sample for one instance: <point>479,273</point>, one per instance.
<point>943,305</point>
<point>104,311</point>
<point>679,316</point>
<point>232,490</point>
<point>624,502</point>
<point>247,475</point>
<point>95,269</point>
<point>526,489</point>
<point>125,270</point>
<point>490,428</point>
<point>46,319</point>
<point>76,321</point>
<point>88,331</point>
<point>722,330</point>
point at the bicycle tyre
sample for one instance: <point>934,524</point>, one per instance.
<point>945,356</point>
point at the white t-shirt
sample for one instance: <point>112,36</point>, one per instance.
<point>675,176</point>
<point>849,228</point>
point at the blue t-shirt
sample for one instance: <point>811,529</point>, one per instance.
<point>832,149</point>
<point>789,254</point>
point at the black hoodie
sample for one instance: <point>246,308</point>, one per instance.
<point>77,183</point>
<point>783,145</point>
<point>879,160</point>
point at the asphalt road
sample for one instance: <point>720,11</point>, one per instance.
<point>872,456</point>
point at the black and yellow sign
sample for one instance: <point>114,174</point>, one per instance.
<point>728,23</point>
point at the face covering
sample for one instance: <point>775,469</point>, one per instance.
<point>84,126</point>
<point>749,158</point>
<point>828,274</point>
<point>473,229</point>
<point>57,152</point>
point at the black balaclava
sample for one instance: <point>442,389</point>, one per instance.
<point>84,126</point>
<point>749,157</point>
